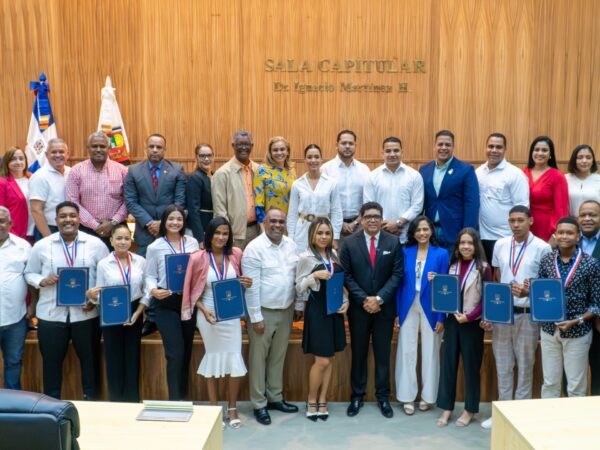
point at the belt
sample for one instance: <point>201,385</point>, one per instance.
<point>206,210</point>
<point>521,309</point>
<point>250,224</point>
<point>311,217</point>
<point>351,219</point>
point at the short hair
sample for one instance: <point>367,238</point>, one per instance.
<point>209,233</point>
<point>412,228</point>
<point>162,231</point>
<point>447,133</point>
<point>199,147</point>
<point>371,205</point>
<point>350,132</point>
<point>312,147</point>
<point>96,134</point>
<point>312,231</point>
<point>547,140</point>
<point>393,139</point>
<point>520,209</point>
<point>570,220</point>
<point>66,204</point>
<point>6,159</point>
<point>269,158</point>
<point>499,136</point>
<point>119,226</point>
<point>6,211</point>
<point>158,135</point>
<point>56,141</point>
<point>594,202</point>
<point>572,167</point>
<point>242,134</point>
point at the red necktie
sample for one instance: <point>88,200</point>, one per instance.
<point>372,251</point>
<point>154,178</point>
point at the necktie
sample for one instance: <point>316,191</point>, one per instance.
<point>154,178</point>
<point>372,251</point>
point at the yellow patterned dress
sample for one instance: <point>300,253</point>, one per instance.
<point>272,187</point>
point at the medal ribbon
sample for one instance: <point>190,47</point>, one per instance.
<point>222,274</point>
<point>70,256</point>
<point>124,273</point>
<point>328,265</point>
<point>181,245</point>
<point>516,263</point>
<point>469,270</point>
<point>572,267</point>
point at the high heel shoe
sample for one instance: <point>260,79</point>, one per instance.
<point>322,415</point>
<point>233,423</point>
<point>314,415</point>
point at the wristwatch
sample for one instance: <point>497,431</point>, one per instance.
<point>379,300</point>
<point>580,320</point>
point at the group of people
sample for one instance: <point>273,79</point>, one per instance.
<point>389,231</point>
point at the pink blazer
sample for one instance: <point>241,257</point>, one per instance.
<point>12,198</point>
<point>195,278</point>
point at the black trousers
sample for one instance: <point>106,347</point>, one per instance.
<point>594,356</point>
<point>464,340</point>
<point>177,337</point>
<point>488,248</point>
<point>54,340</point>
<point>122,346</point>
<point>364,326</point>
<point>105,239</point>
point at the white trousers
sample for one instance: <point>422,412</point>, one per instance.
<point>570,354</point>
<point>407,386</point>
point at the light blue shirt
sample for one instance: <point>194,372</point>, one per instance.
<point>438,177</point>
<point>588,245</point>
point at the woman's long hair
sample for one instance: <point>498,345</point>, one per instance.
<point>211,228</point>
<point>162,231</point>
<point>412,228</point>
<point>312,234</point>
<point>479,253</point>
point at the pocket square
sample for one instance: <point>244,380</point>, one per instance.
<point>386,252</point>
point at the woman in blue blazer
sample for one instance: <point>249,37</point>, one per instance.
<point>421,257</point>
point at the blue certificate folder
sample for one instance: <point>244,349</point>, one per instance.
<point>115,305</point>
<point>175,267</point>
<point>334,291</point>
<point>72,285</point>
<point>547,300</point>
<point>229,299</point>
<point>498,303</point>
<point>445,294</point>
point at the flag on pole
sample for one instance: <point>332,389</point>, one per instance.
<point>41,126</point>
<point>110,123</point>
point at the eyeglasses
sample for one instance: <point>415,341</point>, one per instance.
<point>201,156</point>
<point>372,218</point>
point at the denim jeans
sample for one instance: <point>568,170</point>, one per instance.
<point>12,343</point>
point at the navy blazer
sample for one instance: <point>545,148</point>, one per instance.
<point>437,261</point>
<point>458,202</point>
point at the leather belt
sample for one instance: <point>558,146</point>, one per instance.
<point>521,309</point>
<point>311,217</point>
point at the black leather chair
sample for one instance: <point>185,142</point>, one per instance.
<point>32,421</point>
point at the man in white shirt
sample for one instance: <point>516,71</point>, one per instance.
<point>57,325</point>
<point>350,175</point>
<point>14,253</point>
<point>516,260</point>
<point>501,186</point>
<point>270,260</point>
<point>397,187</point>
<point>47,188</point>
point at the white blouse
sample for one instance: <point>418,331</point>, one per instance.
<point>109,274</point>
<point>156,276</point>
<point>582,190</point>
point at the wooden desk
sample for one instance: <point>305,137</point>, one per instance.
<point>562,423</point>
<point>113,426</point>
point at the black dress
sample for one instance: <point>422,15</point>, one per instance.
<point>323,334</point>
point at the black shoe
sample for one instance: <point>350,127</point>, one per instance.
<point>314,415</point>
<point>148,328</point>
<point>354,407</point>
<point>283,406</point>
<point>386,408</point>
<point>262,416</point>
<point>323,415</point>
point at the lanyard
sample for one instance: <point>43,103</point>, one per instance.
<point>181,245</point>
<point>70,256</point>
<point>469,270</point>
<point>572,268</point>
<point>516,263</point>
<point>124,273</point>
<point>222,274</point>
<point>328,265</point>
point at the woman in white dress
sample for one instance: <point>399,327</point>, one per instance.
<point>313,195</point>
<point>583,179</point>
<point>222,340</point>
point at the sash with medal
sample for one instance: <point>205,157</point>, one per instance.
<point>175,267</point>
<point>115,301</point>
<point>72,281</point>
<point>334,287</point>
<point>228,294</point>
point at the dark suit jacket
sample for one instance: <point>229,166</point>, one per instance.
<point>596,252</point>
<point>146,205</point>
<point>199,202</point>
<point>458,202</point>
<point>362,280</point>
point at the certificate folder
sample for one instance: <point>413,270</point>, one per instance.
<point>175,267</point>
<point>498,303</point>
<point>547,300</point>
<point>445,294</point>
<point>229,299</point>
<point>334,291</point>
<point>72,285</point>
<point>115,305</point>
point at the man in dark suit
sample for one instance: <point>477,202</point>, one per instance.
<point>150,187</point>
<point>589,222</point>
<point>373,264</point>
<point>451,191</point>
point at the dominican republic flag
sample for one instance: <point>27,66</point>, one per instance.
<point>41,126</point>
<point>110,123</point>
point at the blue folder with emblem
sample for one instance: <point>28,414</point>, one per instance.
<point>229,299</point>
<point>72,285</point>
<point>498,303</point>
<point>547,300</point>
<point>445,294</point>
<point>115,305</point>
<point>175,267</point>
<point>334,292</point>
